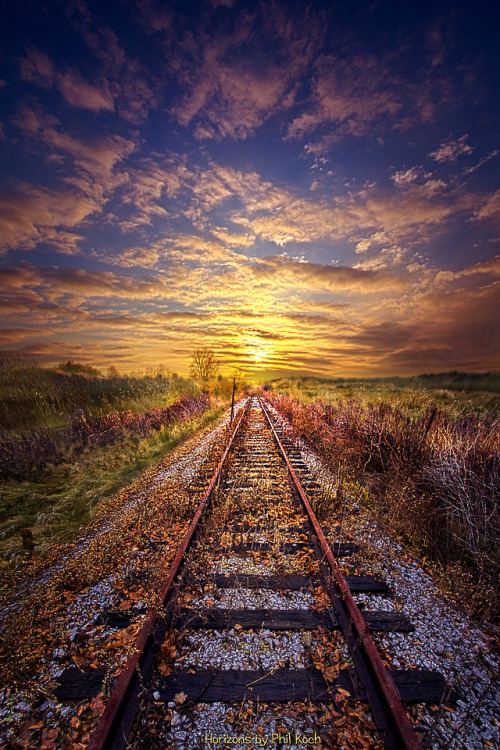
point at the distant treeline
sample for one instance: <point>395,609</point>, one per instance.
<point>462,381</point>
<point>453,381</point>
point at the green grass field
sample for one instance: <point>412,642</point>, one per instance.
<point>32,397</point>
<point>63,476</point>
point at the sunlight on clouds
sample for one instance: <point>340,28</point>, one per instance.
<point>257,350</point>
<point>182,174</point>
<point>450,150</point>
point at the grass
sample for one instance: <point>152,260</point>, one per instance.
<point>456,394</point>
<point>63,498</point>
<point>71,439</point>
<point>429,469</point>
<point>33,397</point>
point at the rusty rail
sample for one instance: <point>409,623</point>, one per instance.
<point>113,727</point>
<point>396,730</point>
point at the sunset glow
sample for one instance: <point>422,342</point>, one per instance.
<point>305,188</point>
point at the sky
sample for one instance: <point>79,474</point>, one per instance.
<point>305,188</point>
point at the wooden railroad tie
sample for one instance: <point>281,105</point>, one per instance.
<point>213,618</point>
<point>360,584</point>
<point>281,685</point>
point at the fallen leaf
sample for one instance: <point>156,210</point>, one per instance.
<point>39,725</point>
<point>97,705</point>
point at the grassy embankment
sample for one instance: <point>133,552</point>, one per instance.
<point>423,455</point>
<point>69,440</point>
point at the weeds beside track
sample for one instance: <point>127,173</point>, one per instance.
<point>432,481</point>
<point>61,492</point>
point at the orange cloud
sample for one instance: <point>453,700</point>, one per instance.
<point>490,210</point>
<point>10,336</point>
<point>317,277</point>
<point>173,253</point>
<point>349,93</point>
<point>296,319</point>
<point>39,69</point>
<point>33,215</point>
<point>450,150</point>
<point>226,98</point>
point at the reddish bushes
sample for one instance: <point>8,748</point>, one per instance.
<point>436,483</point>
<point>25,457</point>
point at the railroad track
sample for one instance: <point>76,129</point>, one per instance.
<point>255,566</point>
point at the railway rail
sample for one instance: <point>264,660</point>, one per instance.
<point>255,529</point>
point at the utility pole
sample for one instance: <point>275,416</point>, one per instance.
<point>232,399</point>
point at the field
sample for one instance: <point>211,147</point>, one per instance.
<point>423,456</point>
<point>70,439</point>
<point>420,454</point>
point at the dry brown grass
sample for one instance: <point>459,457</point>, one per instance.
<point>432,480</point>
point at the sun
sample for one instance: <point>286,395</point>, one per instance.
<point>256,350</point>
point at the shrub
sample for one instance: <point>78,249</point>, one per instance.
<point>25,457</point>
<point>434,481</point>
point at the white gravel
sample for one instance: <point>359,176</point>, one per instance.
<point>237,564</point>
<point>237,649</point>
<point>214,721</point>
<point>240,598</point>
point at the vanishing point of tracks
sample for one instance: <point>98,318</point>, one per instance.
<point>256,509</point>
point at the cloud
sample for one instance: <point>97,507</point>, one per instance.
<point>350,94</point>
<point>228,102</point>
<point>371,218</point>
<point>406,177</point>
<point>134,90</point>
<point>53,283</point>
<point>235,239</point>
<point>30,216</point>
<point>154,20</point>
<point>381,338</point>
<point>294,319</point>
<point>436,45</point>
<point>174,252</point>
<point>279,216</point>
<point>164,242</point>
<point>456,330</point>
<point>317,277</point>
<point>154,320</point>
<point>78,93</point>
<point>103,284</point>
<point>450,150</point>
<point>9,336</point>
<point>37,68</point>
<point>90,171</point>
<point>490,210</point>
<point>231,85</point>
<point>388,257</point>
<point>97,156</point>
<point>493,154</point>
<point>489,267</point>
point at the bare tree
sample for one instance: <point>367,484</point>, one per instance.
<point>204,364</point>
